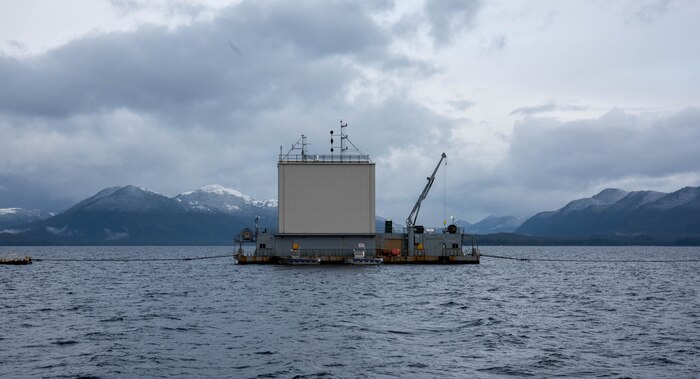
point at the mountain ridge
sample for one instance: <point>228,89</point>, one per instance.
<point>135,215</point>
<point>212,215</point>
<point>491,224</point>
<point>618,212</point>
<point>10,217</point>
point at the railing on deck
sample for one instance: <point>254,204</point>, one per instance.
<point>369,253</point>
<point>324,158</point>
<point>428,230</point>
<point>446,252</point>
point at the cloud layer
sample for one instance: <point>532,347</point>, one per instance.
<point>176,109</point>
<point>550,162</point>
<point>173,107</point>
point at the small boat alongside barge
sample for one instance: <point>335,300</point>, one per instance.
<point>300,261</point>
<point>359,258</point>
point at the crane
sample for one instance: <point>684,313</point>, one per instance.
<point>411,220</point>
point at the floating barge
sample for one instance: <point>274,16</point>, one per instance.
<point>339,260</point>
<point>326,214</point>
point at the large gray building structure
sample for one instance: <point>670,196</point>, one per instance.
<point>326,195</point>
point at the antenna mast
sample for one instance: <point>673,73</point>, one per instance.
<point>303,147</point>
<point>343,137</point>
<point>300,144</point>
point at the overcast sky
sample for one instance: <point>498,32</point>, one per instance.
<point>535,103</point>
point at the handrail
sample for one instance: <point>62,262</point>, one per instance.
<point>427,230</point>
<point>323,158</point>
<point>319,252</point>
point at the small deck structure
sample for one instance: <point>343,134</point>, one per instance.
<point>26,260</point>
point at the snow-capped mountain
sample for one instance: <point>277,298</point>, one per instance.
<point>617,212</point>
<point>136,215</point>
<point>605,197</point>
<point>10,217</point>
<point>228,200</point>
<point>637,199</point>
<point>211,198</point>
<point>463,224</point>
<point>125,199</point>
<point>496,224</point>
<point>687,196</point>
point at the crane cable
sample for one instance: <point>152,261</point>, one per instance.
<point>482,255</point>
<point>444,195</point>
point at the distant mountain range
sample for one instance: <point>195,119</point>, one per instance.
<point>133,215</point>
<point>492,224</point>
<point>17,216</point>
<point>614,212</point>
<point>213,215</point>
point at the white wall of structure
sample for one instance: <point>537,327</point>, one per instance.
<point>326,198</point>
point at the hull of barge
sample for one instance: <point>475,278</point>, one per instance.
<point>432,248</point>
<point>340,260</point>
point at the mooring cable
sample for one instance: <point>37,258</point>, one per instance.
<point>128,259</point>
<point>483,255</point>
<point>502,257</point>
<point>590,260</point>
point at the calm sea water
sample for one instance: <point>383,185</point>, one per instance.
<point>213,318</point>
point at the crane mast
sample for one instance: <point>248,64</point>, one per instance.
<point>411,220</point>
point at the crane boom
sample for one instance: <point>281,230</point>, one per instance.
<point>411,220</point>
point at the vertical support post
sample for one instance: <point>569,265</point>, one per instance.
<point>411,242</point>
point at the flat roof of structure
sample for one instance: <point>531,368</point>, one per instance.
<point>324,158</point>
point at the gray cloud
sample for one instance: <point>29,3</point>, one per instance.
<point>173,110</point>
<point>293,51</point>
<point>462,104</point>
<point>234,47</point>
<point>170,8</point>
<point>29,191</point>
<point>551,162</point>
<point>645,12</point>
<point>548,161</point>
<point>547,153</point>
<point>15,44</point>
<point>495,44</point>
<point>447,17</point>
<point>59,231</point>
<point>210,101</point>
<point>547,107</point>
